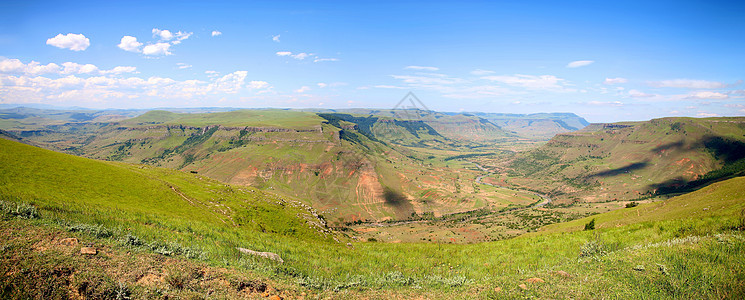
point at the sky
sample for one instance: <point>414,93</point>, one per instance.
<point>606,61</point>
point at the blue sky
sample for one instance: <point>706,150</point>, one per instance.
<point>605,61</point>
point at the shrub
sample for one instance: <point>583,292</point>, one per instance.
<point>591,225</point>
<point>593,248</point>
<point>94,230</point>
<point>632,204</point>
<point>19,210</point>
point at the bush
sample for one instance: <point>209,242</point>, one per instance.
<point>591,225</point>
<point>19,210</point>
<point>632,204</point>
<point>593,248</point>
<point>94,230</point>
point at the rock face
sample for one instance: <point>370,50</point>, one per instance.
<point>88,251</point>
<point>269,255</point>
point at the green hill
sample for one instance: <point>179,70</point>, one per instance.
<point>631,160</point>
<point>135,210</point>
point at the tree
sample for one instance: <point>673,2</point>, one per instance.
<point>591,225</point>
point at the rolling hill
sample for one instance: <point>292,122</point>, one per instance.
<point>630,160</point>
<point>183,229</point>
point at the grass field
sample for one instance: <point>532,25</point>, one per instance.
<point>668,253</point>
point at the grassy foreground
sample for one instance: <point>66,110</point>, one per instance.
<point>159,215</point>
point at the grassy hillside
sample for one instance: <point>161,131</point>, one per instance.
<point>624,161</point>
<point>352,167</point>
<point>670,254</point>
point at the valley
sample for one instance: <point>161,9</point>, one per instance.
<point>447,205</point>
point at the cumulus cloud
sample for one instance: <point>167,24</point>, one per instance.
<point>707,95</point>
<point>422,68</point>
<point>120,70</point>
<point>129,43</point>
<point>616,80</point>
<point>529,81</point>
<point>157,49</point>
<point>164,35</point>
<point>74,68</point>
<point>298,56</point>
<point>164,40</point>
<point>216,33</point>
<point>707,114</point>
<point>183,65</point>
<point>15,66</point>
<point>579,63</point>
<point>257,84</point>
<point>322,85</point>
<point>230,83</point>
<point>688,84</point>
<point>275,38</point>
<point>23,88</point>
<point>74,42</point>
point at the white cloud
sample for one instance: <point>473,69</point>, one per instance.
<point>322,85</point>
<point>256,84</point>
<point>302,89</point>
<point>180,36</point>
<point>639,94</point>
<point>163,35</point>
<point>212,74</point>
<point>688,84</point>
<point>480,72</point>
<point>608,103</point>
<point>216,33</point>
<point>230,83</point>
<point>529,81</point>
<point>129,43</point>
<point>15,66</point>
<point>120,70</point>
<point>579,63</point>
<point>298,56</point>
<point>421,68</point>
<point>74,42</point>
<point>385,86</point>
<point>427,80</point>
<point>706,114</point>
<point>275,38</point>
<point>707,95</point>
<point>74,68</point>
<point>157,49</point>
<point>616,80</point>
<point>23,88</point>
<point>183,65</point>
<point>325,59</point>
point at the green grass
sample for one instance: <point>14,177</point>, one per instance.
<point>254,118</point>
